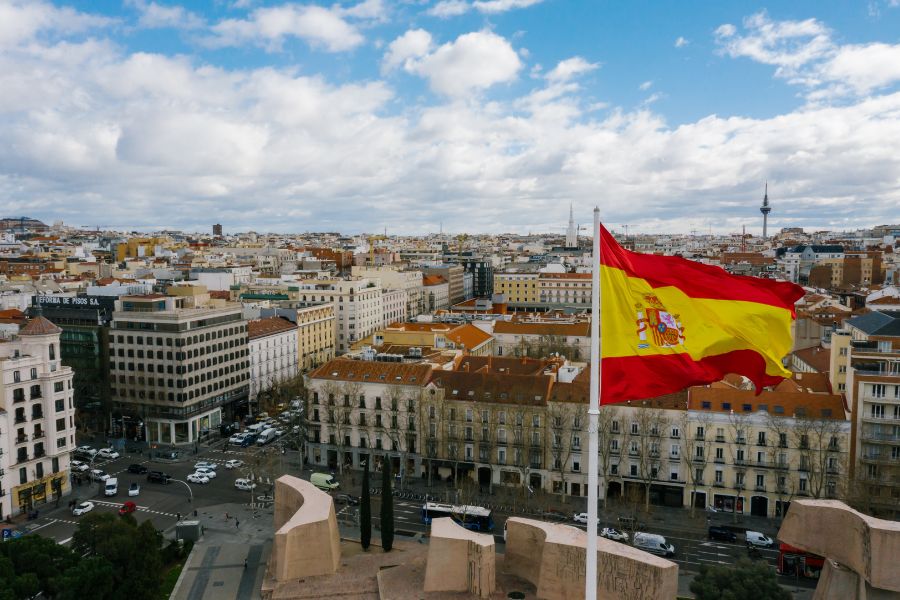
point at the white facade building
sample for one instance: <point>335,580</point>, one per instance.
<point>273,353</point>
<point>37,414</point>
<point>395,303</point>
<point>391,279</point>
<point>358,307</point>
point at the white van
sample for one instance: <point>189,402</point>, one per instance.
<point>266,436</point>
<point>112,487</point>
<point>653,543</point>
<point>324,481</point>
<point>755,538</point>
<point>256,427</point>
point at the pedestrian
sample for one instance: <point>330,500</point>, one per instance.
<point>227,516</point>
<point>245,563</point>
<point>236,523</point>
<point>177,516</point>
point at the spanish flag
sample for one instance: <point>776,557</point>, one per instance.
<point>668,323</point>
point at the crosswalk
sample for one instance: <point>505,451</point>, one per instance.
<point>144,509</point>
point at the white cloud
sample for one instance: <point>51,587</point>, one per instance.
<point>268,27</point>
<point>155,16</point>
<point>569,68</point>
<point>805,53</point>
<point>453,8</point>
<point>371,10</point>
<point>413,44</point>
<point>681,42</point>
<point>645,86</point>
<point>22,20</point>
<point>474,61</point>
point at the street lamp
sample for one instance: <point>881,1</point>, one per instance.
<point>190,491</point>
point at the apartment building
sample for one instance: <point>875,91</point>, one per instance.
<point>274,356</point>
<point>358,304</point>
<point>400,337</point>
<point>360,410</point>
<point>393,279</point>
<point>315,335</point>
<point>437,293</point>
<point>538,339</point>
<point>179,364</point>
<point>454,274</point>
<point>37,417</point>
<point>395,304</point>
<point>520,289</point>
<point>798,261</point>
<point>557,290</point>
<point>871,367</point>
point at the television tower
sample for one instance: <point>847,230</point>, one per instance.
<point>765,209</point>
<point>571,231</point>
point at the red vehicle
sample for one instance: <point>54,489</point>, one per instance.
<point>794,562</point>
<point>127,508</point>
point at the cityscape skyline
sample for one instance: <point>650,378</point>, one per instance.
<point>357,116</point>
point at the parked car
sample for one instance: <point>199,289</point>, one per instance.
<point>157,477</point>
<point>234,464</point>
<point>236,438</point>
<point>755,538</point>
<point>127,508</point>
<point>77,465</point>
<point>107,453</point>
<point>580,518</point>
<point>86,451</point>
<point>137,469</point>
<point>197,478</point>
<point>248,440</point>
<point>111,488</point>
<point>347,499</point>
<point>84,507</point>
<point>134,489</point>
<point>720,533</point>
<point>244,484</point>
<point>614,534</point>
<point>206,465</point>
<point>551,514</point>
<point>208,473</point>
<point>98,475</point>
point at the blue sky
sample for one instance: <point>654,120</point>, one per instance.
<point>486,115</point>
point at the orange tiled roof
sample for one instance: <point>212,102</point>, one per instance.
<point>39,326</point>
<point>433,280</point>
<point>343,369</point>
<point>269,326</point>
<point>777,403</point>
<point>582,328</point>
<point>816,357</point>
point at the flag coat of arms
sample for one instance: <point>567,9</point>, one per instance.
<point>668,323</point>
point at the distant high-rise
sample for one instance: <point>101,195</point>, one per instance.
<point>217,229</point>
<point>571,232</point>
<point>765,209</point>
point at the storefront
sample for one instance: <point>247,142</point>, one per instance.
<point>33,494</point>
<point>175,433</point>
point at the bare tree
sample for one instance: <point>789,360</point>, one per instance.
<point>343,425</point>
<point>548,345</point>
<point>818,441</point>
<point>739,424</point>
<point>697,445</point>
<point>398,429</point>
<point>431,419</point>
<point>561,417</point>
<point>644,446</point>
<point>782,434</point>
<point>280,393</point>
<point>608,456</point>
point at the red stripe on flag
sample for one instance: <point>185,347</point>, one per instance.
<point>641,377</point>
<point>695,279</point>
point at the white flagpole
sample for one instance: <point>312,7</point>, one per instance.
<point>590,572</point>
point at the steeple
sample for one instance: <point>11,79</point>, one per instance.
<point>765,209</point>
<point>571,231</point>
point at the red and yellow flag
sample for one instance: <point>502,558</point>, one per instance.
<point>669,323</point>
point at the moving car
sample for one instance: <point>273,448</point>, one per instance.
<point>157,477</point>
<point>206,465</point>
<point>234,464</point>
<point>580,518</point>
<point>347,499</point>
<point>755,538</point>
<point>244,484</point>
<point>84,507</point>
<point>654,544</point>
<point>197,478</point>
<point>112,487</point>
<point>127,508</point>
<point>248,440</point>
<point>324,481</point>
<point>208,473</point>
<point>266,436</point>
<point>614,535</point>
<point>134,489</point>
<point>237,438</point>
<point>108,453</point>
<point>722,534</point>
<point>98,475</point>
<point>137,469</point>
<point>77,465</point>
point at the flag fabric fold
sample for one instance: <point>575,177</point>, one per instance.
<point>668,323</point>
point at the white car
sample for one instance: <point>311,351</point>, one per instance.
<point>84,507</point>
<point>108,453</point>
<point>234,464</point>
<point>79,466</point>
<point>206,465</point>
<point>197,478</point>
<point>580,518</point>
<point>86,450</point>
<point>208,473</point>
<point>134,489</point>
<point>237,438</point>
<point>614,534</point>
<point>244,484</point>
<point>98,475</point>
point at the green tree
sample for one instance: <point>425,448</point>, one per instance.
<point>36,563</point>
<point>365,510</point>
<point>747,580</point>
<point>92,578</point>
<point>387,507</point>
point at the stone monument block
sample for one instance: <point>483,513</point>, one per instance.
<point>460,560</point>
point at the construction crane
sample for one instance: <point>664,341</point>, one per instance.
<point>372,239</point>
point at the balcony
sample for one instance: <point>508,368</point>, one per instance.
<point>699,459</point>
<point>37,416</point>
<point>719,460</point>
<point>718,484</point>
<point>740,462</point>
<point>21,418</point>
<point>760,488</point>
<point>740,441</point>
<point>876,437</point>
<point>720,439</point>
<point>21,439</point>
<point>40,453</point>
<point>37,435</point>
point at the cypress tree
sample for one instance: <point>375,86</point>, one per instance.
<point>365,511</point>
<point>387,507</point>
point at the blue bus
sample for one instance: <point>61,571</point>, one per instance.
<point>476,518</point>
